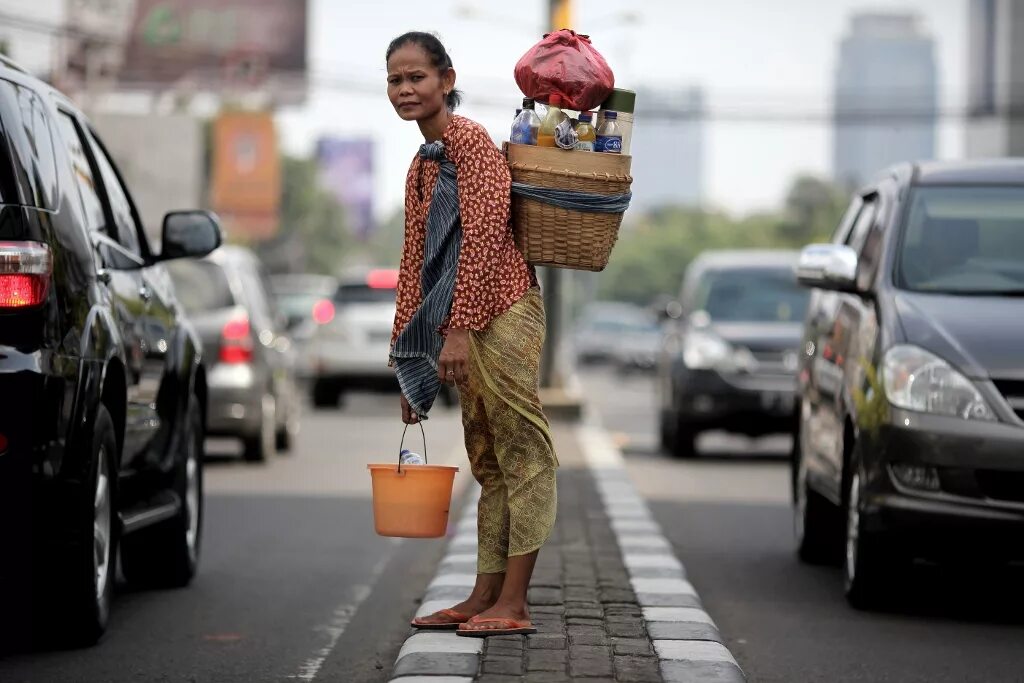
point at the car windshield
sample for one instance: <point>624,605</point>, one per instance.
<point>762,295</point>
<point>200,285</point>
<point>965,241</point>
<point>363,294</point>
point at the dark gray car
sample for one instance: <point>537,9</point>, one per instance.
<point>251,365</point>
<point>911,439</point>
<point>729,354</point>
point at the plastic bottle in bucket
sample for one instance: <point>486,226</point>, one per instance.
<point>409,458</point>
<point>411,500</point>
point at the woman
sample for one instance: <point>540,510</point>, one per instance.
<point>470,313</point>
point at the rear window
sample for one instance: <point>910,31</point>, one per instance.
<point>364,294</point>
<point>28,165</point>
<point>200,285</point>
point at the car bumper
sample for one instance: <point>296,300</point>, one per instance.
<point>751,404</point>
<point>235,404</point>
<point>980,470</point>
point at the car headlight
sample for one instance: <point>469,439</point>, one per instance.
<point>916,379</point>
<point>705,350</point>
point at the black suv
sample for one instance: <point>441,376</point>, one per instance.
<point>102,385</point>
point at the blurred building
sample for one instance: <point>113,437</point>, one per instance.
<point>668,149</point>
<point>886,94</point>
<point>996,78</point>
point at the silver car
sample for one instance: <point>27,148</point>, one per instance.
<point>252,392</point>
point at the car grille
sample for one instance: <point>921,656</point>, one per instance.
<point>774,362</point>
<point>1001,485</point>
<point>1013,390</point>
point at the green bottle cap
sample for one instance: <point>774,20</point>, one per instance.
<point>620,100</point>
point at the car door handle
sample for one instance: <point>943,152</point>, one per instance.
<point>145,294</point>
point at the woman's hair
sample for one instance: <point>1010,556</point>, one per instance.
<point>432,45</point>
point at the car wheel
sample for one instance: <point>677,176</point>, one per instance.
<point>685,440</point>
<point>814,521</point>
<point>260,446</point>
<point>326,395</point>
<point>81,611</point>
<point>167,553</point>
<point>866,561</point>
<point>666,431</point>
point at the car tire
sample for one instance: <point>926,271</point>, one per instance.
<point>81,607</point>
<point>867,560</point>
<point>284,438</point>
<point>166,555</point>
<point>259,447</point>
<point>684,440</point>
<point>815,522</point>
<point>326,394</point>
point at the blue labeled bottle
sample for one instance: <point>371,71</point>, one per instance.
<point>609,137</point>
<point>526,125</point>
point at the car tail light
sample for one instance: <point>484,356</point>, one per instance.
<point>323,311</point>
<point>382,279</point>
<point>25,271</point>
<point>236,341</point>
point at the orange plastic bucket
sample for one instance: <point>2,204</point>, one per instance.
<point>412,501</point>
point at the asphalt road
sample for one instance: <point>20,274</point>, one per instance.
<point>293,584</point>
<point>729,517</point>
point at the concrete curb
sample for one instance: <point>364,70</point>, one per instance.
<point>442,656</point>
<point>684,635</point>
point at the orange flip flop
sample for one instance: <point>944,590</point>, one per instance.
<point>454,620</point>
<point>504,627</point>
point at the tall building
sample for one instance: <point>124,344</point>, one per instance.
<point>668,149</point>
<point>886,95</point>
<point>996,79</point>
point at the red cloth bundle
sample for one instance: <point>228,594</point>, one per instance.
<point>565,62</point>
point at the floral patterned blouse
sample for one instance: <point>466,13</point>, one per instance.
<point>492,273</point>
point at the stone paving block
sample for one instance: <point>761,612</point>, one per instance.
<point>632,646</point>
<point>581,630</point>
<point>546,660</point>
<point>626,630</point>
<point>545,596</point>
<point>546,641</point>
<point>436,664</point>
<point>637,669</point>
<point>494,678</point>
<point>706,672</point>
<point>548,677</point>
<point>503,665</point>
<point>584,613</point>
<point>683,631</point>
<point>591,666</point>
<point>590,639</point>
<point>584,621</point>
<point>547,609</point>
<point>617,595</point>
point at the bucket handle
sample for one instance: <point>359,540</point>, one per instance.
<point>402,444</point>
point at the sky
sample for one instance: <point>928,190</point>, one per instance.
<point>745,54</point>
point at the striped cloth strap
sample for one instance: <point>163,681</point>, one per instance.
<point>419,345</point>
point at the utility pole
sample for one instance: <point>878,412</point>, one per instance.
<point>556,395</point>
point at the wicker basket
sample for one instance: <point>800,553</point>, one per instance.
<point>552,236</point>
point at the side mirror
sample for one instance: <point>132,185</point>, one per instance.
<point>190,234</point>
<point>828,266</point>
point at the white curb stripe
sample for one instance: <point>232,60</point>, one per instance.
<point>441,642</point>
<point>644,548</point>
<point>458,580</point>
<point>433,679</point>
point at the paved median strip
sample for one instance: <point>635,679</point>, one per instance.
<point>685,637</point>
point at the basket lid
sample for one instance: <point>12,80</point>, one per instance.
<point>620,100</point>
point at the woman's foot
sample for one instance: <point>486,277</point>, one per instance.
<point>453,616</point>
<point>501,619</point>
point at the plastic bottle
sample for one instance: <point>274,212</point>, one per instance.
<point>407,457</point>
<point>587,134</point>
<point>526,125</point>
<point>555,115</point>
<point>609,139</point>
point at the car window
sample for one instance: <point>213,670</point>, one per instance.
<point>865,219</point>
<point>126,230</point>
<point>751,295</point>
<point>871,248</point>
<point>200,285</point>
<point>31,162</point>
<point>963,240</point>
<point>847,221</point>
<point>363,294</point>
<point>85,182</point>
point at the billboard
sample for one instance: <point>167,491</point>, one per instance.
<point>245,176</point>
<point>346,171</point>
<point>196,44</point>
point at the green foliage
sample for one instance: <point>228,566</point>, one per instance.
<point>652,255</point>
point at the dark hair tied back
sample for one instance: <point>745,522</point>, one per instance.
<point>432,45</point>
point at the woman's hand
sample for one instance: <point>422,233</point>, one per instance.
<point>453,365</point>
<point>409,415</point>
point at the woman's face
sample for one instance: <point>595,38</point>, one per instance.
<point>415,87</point>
